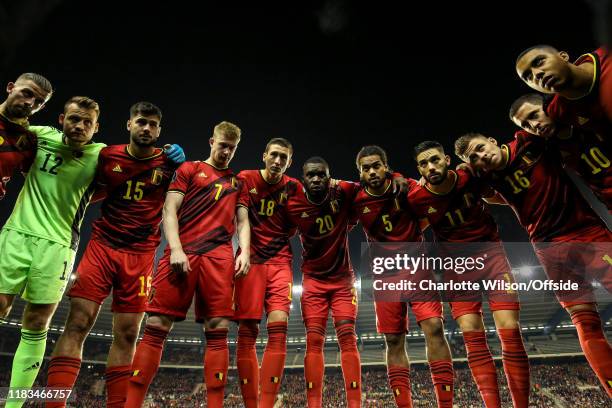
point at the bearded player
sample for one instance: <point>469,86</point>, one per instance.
<point>119,256</point>
<point>321,213</point>
<point>39,240</point>
<point>454,204</point>
<point>550,208</point>
<point>386,217</point>
<point>269,282</point>
<point>582,89</point>
<point>26,96</point>
<point>200,216</point>
<point>587,152</point>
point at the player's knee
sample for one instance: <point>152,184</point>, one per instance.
<point>315,336</point>
<point>35,320</point>
<point>125,336</point>
<point>433,329</point>
<point>217,323</point>
<point>251,325</point>
<point>395,343</point>
<point>470,322</point>
<point>160,322</point>
<point>580,308</point>
<point>276,316</point>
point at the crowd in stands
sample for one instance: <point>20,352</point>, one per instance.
<point>570,380</point>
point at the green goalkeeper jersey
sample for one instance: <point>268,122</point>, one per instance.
<point>57,189</point>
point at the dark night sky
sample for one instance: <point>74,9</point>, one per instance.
<point>330,76</point>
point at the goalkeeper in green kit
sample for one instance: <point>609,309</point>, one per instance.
<point>39,240</point>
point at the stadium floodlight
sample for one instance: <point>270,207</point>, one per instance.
<point>526,271</point>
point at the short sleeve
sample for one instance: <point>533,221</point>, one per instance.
<point>181,179</point>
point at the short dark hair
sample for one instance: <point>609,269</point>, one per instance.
<point>40,81</point>
<point>535,47</point>
<point>462,143</point>
<point>533,98</point>
<point>280,142</point>
<point>83,102</point>
<point>371,150</point>
<point>316,160</point>
<point>426,145</point>
<point>145,109</point>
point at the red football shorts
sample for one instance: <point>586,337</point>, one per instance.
<point>392,317</point>
<point>266,285</point>
<point>211,280</point>
<point>496,268</point>
<point>581,258</point>
<point>104,268</point>
<point>318,297</point>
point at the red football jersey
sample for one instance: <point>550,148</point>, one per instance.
<point>269,225</point>
<point>589,154</point>
<point>135,192</point>
<point>459,215</point>
<point>387,217</point>
<point>207,216</point>
<point>17,151</point>
<point>324,231</point>
<point>534,184</point>
<point>594,110</point>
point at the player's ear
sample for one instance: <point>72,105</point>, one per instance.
<point>128,125</point>
<point>448,159</point>
<point>263,156</point>
<point>492,141</point>
<point>564,55</point>
<point>289,162</point>
<point>211,141</point>
<point>61,119</point>
<point>97,127</point>
<point>9,87</point>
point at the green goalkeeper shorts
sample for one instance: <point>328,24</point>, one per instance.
<point>34,267</point>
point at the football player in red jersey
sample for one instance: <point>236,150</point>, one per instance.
<point>453,203</point>
<point>387,217</point>
<point>269,282</point>
<point>321,214</point>
<point>200,216</point>
<point>26,96</point>
<point>547,204</point>
<point>587,152</point>
<point>120,254</point>
<point>583,89</point>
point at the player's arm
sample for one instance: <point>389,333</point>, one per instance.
<point>243,229</point>
<point>496,198</point>
<point>178,260</point>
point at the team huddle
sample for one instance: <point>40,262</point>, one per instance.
<point>203,205</point>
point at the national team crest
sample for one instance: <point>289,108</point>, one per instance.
<point>157,176</point>
<point>283,198</point>
<point>22,143</point>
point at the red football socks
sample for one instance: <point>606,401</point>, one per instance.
<point>442,378</point>
<point>595,346</point>
<point>482,367</point>
<point>144,367</point>
<point>516,366</point>
<point>351,363</point>
<point>62,373</point>
<point>248,367</point>
<point>399,380</point>
<point>273,363</point>
<point>117,379</point>
<point>216,362</point>
<point>313,364</point>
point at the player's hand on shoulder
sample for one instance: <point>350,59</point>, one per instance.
<point>243,264</point>
<point>175,153</point>
<point>179,262</point>
<point>400,184</point>
<point>466,167</point>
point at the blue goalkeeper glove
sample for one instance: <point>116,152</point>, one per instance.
<point>175,153</point>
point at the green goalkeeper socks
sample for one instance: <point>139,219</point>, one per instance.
<point>27,362</point>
